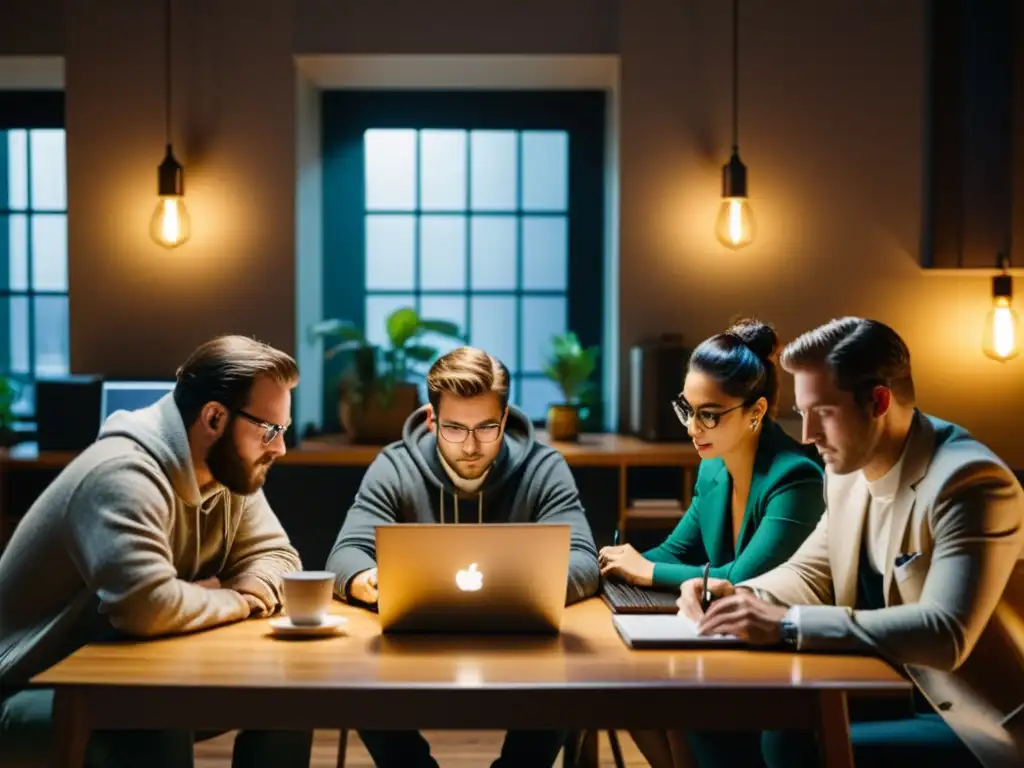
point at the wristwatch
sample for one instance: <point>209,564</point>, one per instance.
<point>790,633</point>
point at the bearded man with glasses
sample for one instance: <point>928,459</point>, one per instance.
<point>160,527</point>
<point>467,457</point>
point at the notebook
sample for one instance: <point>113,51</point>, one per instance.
<point>662,631</point>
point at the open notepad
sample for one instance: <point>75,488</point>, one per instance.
<point>666,631</point>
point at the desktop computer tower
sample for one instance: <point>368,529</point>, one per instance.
<point>656,371</point>
<point>68,412</point>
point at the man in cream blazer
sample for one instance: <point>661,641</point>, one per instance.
<point>917,558</point>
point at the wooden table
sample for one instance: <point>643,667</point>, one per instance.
<point>239,676</point>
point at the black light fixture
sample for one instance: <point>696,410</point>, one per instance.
<point>170,225</point>
<point>735,226</point>
<point>1000,341</point>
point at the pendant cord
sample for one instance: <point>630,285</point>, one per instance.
<point>735,75</point>
<point>167,71</point>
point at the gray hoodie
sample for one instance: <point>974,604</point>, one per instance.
<point>406,483</point>
<point>116,540</point>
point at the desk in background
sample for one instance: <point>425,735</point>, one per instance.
<point>311,487</point>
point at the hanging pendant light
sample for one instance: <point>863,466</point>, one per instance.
<point>170,225</point>
<point>1001,340</point>
<point>735,227</point>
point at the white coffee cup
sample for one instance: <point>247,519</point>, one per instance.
<point>307,596</point>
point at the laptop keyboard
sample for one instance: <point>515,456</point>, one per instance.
<point>623,597</point>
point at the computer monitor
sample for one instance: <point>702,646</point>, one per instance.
<point>131,395</point>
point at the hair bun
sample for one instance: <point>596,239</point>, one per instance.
<point>759,337</point>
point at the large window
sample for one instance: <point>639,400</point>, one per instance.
<point>33,241</point>
<point>482,209</point>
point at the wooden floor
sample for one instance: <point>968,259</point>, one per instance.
<point>451,749</point>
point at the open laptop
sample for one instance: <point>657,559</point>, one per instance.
<point>507,578</point>
<point>131,395</point>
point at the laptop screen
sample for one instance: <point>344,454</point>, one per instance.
<point>131,395</point>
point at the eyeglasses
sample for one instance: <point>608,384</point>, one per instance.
<point>272,430</point>
<point>456,433</point>
<point>706,418</point>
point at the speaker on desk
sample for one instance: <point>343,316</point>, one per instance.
<point>68,412</point>
<point>656,371</point>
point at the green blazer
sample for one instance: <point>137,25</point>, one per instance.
<point>786,501</point>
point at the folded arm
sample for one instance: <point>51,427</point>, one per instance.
<point>559,502</point>
<point>117,525</point>
<point>260,547</point>
<point>376,503</point>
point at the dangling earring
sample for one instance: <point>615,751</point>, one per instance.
<point>753,425</point>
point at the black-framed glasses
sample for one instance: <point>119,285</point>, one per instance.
<point>271,430</point>
<point>456,433</point>
<point>707,418</point>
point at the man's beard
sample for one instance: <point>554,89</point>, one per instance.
<point>230,470</point>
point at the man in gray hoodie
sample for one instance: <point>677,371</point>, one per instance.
<point>466,458</point>
<point>159,527</point>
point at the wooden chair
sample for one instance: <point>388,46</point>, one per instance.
<point>581,744</point>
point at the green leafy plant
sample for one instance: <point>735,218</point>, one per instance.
<point>376,369</point>
<point>570,366</point>
<point>8,396</point>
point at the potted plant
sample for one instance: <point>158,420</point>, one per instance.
<point>570,366</point>
<point>8,395</point>
<point>376,394</point>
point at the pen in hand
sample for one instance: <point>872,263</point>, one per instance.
<point>705,596</point>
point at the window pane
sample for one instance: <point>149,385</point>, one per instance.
<point>545,170</point>
<point>443,170</point>
<point>14,311</point>
<point>537,395</point>
<point>48,169</point>
<point>545,253</point>
<point>451,308</point>
<point>17,242</point>
<point>443,252</point>
<point>493,251</point>
<point>493,158</point>
<point>494,327</point>
<point>50,252</point>
<point>390,252</point>
<point>542,318</point>
<point>377,310</point>
<point>390,169</point>
<point>17,170</point>
<point>52,347</point>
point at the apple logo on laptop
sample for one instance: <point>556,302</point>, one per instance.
<point>469,580</point>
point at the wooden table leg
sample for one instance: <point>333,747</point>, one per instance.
<point>71,728</point>
<point>834,730</point>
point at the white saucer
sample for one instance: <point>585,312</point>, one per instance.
<point>282,625</point>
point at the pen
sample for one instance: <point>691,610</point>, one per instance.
<point>705,597</point>
<point>615,538</point>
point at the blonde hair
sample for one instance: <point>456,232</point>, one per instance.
<point>467,372</point>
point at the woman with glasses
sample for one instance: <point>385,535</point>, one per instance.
<point>758,492</point>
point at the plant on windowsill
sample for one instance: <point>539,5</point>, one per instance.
<point>8,394</point>
<point>376,393</point>
<point>570,366</point>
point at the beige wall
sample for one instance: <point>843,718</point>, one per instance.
<point>830,128</point>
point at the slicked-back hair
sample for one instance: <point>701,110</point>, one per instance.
<point>861,355</point>
<point>467,372</point>
<point>224,369</point>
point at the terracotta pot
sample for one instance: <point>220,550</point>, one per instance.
<point>371,422</point>
<point>564,422</point>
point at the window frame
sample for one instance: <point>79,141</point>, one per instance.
<point>347,114</point>
<point>24,110</point>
